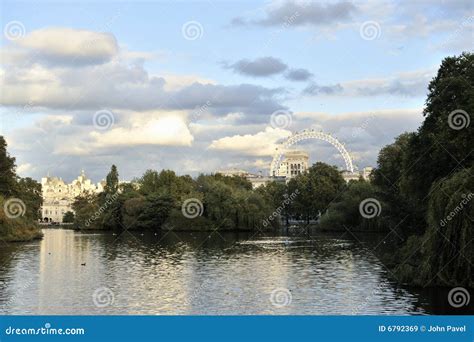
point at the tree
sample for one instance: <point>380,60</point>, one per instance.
<point>88,214</point>
<point>321,185</point>
<point>7,170</point>
<point>20,200</point>
<point>444,255</point>
<point>449,249</point>
<point>277,195</point>
<point>388,177</point>
<point>149,182</point>
<point>155,211</point>
<point>344,213</point>
<point>112,181</point>
<point>444,141</point>
<point>29,191</point>
<point>68,217</point>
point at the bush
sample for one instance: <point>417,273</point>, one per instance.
<point>17,229</point>
<point>344,214</point>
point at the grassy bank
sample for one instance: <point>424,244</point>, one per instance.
<point>15,229</point>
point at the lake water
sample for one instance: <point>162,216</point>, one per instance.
<point>172,273</point>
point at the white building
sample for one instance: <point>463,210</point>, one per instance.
<point>259,180</point>
<point>233,172</point>
<point>59,196</point>
<point>366,171</point>
<point>356,175</point>
<point>294,163</point>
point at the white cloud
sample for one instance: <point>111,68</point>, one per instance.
<point>69,46</point>
<point>169,130</point>
<point>24,169</point>
<point>176,82</point>
<point>259,144</point>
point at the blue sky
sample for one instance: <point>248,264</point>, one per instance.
<point>197,105</point>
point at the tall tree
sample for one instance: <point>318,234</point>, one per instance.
<point>388,176</point>
<point>112,181</point>
<point>7,170</point>
<point>445,140</point>
<point>29,191</point>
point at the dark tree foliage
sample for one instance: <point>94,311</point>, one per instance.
<point>344,213</point>
<point>87,215</point>
<point>450,246</point>
<point>437,149</point>
<point>444,255</point>
<point>112,181</point>
<point>155,202</point>
<point>29,191</point>
<point>155,211</point>
<point>387,177</point>
<point>20,196</point>
<point>7,170</point>
<point>434,167</point>
<point>317,188</point>
<point>68,217</point>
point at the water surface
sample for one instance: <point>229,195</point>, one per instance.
<point>171,273</point>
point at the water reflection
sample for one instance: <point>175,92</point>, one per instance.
<point>194,273</point>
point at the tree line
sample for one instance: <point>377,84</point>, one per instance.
<point>20,201</point>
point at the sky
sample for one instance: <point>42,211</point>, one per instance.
<point>200,86</point>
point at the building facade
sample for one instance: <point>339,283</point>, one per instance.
<point>293,164</point>
<point>58,196</point>
<point>356,175</point>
